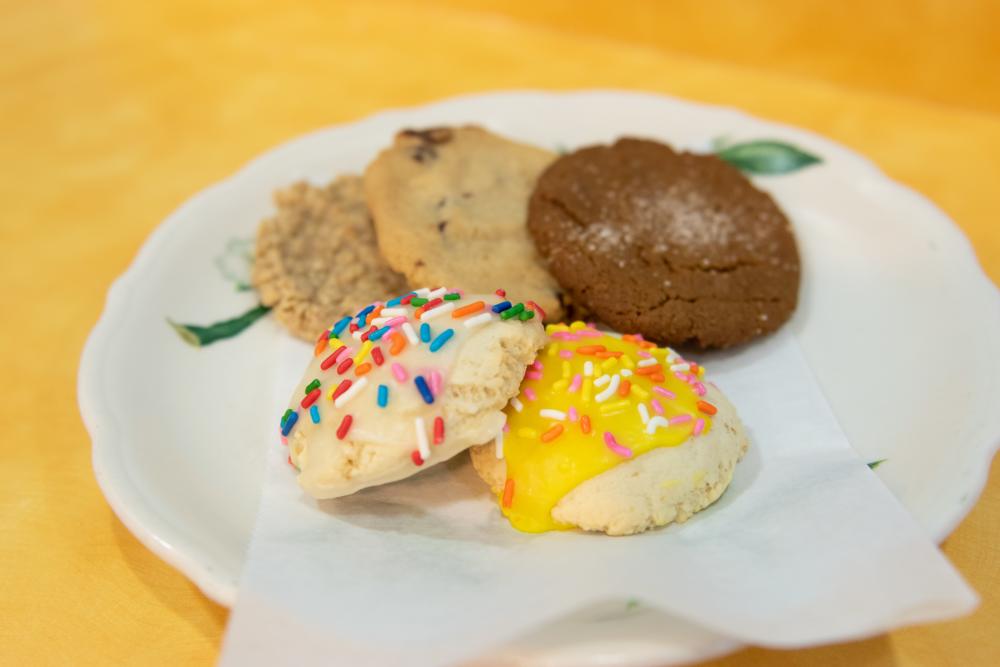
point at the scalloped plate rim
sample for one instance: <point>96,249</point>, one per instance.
<point>169,541</point>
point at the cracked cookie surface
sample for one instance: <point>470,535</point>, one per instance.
<point>450,206</point>
<point>317,256</point>
<point>679,247</point>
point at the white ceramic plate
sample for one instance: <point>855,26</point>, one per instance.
<point>897,321</point>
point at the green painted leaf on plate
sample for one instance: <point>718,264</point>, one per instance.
<point>236,262</point>
<point>198,336</point>
<point>766,157</point>
<point>875,464</point>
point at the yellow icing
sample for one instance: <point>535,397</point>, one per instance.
<point>540,473</point>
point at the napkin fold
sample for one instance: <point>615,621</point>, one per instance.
<point>807,546</point>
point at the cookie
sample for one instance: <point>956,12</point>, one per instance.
<point>450,206</point>
<point>613,435</point>
<point>317,256</point>
<point>679,247</point>
<point>396,388</point>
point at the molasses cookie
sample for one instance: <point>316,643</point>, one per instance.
<point>679,247</point>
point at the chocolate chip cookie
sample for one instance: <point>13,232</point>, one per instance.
<point>450,206</point>
<point>680,247</point>
<point>317,257</point>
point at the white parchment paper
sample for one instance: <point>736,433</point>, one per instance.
<point>806,547</point>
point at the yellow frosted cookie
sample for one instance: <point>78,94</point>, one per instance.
<point>610,434</point>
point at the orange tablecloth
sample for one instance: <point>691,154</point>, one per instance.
<point>113,114</point>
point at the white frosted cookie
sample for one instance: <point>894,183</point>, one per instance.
<point>640,442</point>
<point>401,386</point>
<point>450,208</point>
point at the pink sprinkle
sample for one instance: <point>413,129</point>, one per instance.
<point>680,376</point>
<point>565,335</point>
<point>399,372</point>
<point>588,333</point>
<point>435,382</point>
<point>690,379</point>
<point>506,427</point>
<point>284,441</point>
<point>699,426</point>
<point>566,354</point>
<point>396,321</point>
<point>680,419</point>
<point>537,365</point>
<point>574,386</point>
<point>699,389</point>
<point>664,392</point>
<point>613,445</point>
<point>532,375</point>
<point>572,414</point>
<point>638,336</point>
<point>529,394</point>
<point>591,325</point>
<point>657,406</point>
<point>644,354</point>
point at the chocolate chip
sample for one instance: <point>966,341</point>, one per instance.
<point>442,225</point>
<point>423,153</point>
<point>432,135</point>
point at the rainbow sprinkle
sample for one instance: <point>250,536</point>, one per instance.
<point>339,327</point>
<point>351,392</point>
<point>512,312</point>
<point>421,431</point>
<point>377,335</point>
<point>425,391</point>
<point>289,423</point>
<point>363,314</point>
<point>410,334</point>
<point>478,320</point>
<point>438,310</point>
<point>441,339</point>
<point>399,373</point>
<point>613,445</point>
